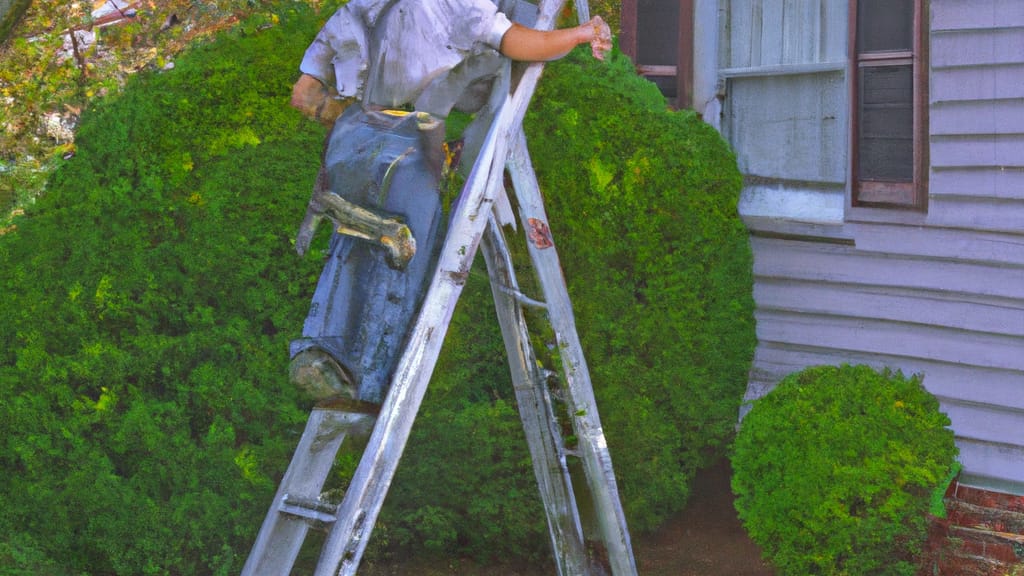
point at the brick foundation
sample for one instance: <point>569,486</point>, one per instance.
<point>982,535</point>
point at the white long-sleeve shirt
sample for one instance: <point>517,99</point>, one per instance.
<point>386,52</point>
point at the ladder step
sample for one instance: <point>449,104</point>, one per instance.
<point>316,511</point>
<point>521,298</point>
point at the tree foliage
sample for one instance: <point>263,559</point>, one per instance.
<point>835,468</point>
<point>56,60</point>
<point>149,296</point>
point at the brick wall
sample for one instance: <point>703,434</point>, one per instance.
<point>982,535</point>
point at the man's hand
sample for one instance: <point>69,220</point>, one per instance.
<point>316,101</point>
<point>601,42</point>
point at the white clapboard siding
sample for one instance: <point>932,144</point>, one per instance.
<point>938,309</point>
<point>991,82</point>
<point>864,336</point>
<point>977,213</point>
<point>811,261</point>
<point>1004,183</point>
<point>992,465</point>
<point>1000,389</point>
<point>964,245</point>
<point>977,47</point>
<point>986,424</point>
<point>978,150</point>
<point>976,14</point>
<point>978,117</point>
<point>938,293</point>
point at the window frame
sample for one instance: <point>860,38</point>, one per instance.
<point>882,194</point>
<point>683,71</point>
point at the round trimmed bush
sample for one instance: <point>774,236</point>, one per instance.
<point>834,470</point>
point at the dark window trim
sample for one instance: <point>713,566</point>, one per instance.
<point>683,72</point>
<point>893,195</point>
<point>628,42</point>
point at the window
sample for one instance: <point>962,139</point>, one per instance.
<point>890,103</point>
<point>658,36</point>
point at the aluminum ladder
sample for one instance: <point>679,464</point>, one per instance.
<point>297,505</point>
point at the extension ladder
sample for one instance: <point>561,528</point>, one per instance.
<point>297,506</point>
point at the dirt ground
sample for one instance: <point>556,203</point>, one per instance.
<point>705,539</point>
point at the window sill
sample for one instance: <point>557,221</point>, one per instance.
<point>902,216</point>
<point>783,69</point>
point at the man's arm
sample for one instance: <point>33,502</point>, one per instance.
<point>527,44</point>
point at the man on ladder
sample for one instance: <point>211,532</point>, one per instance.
<point>405,64</point>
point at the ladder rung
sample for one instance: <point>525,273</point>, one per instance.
<point>523,298</point>
<point>310,509</point>
<point>529,302</point>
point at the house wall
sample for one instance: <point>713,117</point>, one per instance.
<point>939,293</point>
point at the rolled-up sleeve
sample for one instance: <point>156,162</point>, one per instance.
<point>338,54</point>
<point>498,29</point>
<point>470,22</point>
<point>317,61</point>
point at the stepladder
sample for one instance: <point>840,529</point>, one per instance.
<point>477,226</point>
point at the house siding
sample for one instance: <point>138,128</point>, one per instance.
<point>940,293</point>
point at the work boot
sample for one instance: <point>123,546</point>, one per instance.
<point>320,375</point>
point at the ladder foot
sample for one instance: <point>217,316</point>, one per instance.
<point>320,376</point>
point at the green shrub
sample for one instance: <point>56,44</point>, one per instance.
<point>834,470</point>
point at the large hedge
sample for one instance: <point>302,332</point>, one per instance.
<point>149,297</point>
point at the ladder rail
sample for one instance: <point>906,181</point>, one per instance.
<point>593,446</point>
<point>284,529</point>
<point>543,437</point>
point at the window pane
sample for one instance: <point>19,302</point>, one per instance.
<point>791,127</point>
<point>886,139</point>
<point>884,25</point>
<point>659,21</point>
